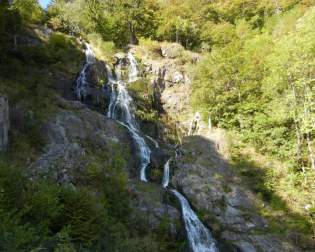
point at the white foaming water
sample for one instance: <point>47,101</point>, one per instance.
<point>89,54</point>
<point>166,175</point>
<point>121,108</point>
<point>81,82</point>
<point>156,144</point>
<point>200,239</point>
<point>133,69</point>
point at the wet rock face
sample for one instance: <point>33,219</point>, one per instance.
<point>96,77</point>
<point>224,204</point>
<point>4,123</point>
<point>69,133</point>
<point>150,206</point>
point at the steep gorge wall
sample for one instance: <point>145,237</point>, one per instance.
<point>202,171</point>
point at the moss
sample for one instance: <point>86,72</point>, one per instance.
<point>226,188</point>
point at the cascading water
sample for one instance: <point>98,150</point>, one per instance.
<point>133,70</point>
<point>200,238</point>
<point>166,175</point>
<point>81,82</point>
<point>121,108</point>
<point>156,144</point>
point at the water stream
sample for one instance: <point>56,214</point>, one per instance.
<point>133,69</point>
<point>200,238</point>
<point>82,82</point>
<point>166,175</point>
<point>156,144</point>
<point>121,108</point>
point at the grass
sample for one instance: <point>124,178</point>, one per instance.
<point>104,50</point>
<point>282,194</point>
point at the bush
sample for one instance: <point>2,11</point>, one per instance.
<point>150,45</point>
<point>59,40</point>
<point>83,215</point>
<point>104,50</point>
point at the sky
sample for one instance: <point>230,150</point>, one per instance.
<point>44,3</point>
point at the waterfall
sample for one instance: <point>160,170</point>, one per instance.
<point>200,239</point>
<point>81,82</point>
<point>166,175</point>
<point>133,70</point>
<point>121,108</point>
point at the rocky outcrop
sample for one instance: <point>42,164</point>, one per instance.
<point>171,80</point>
<point>4,123</point>
<point>71,133</point>
<point>151,207</point>
<point>75,135</point>
<point>171,50</point>
<point>225,205</point>
<point>95,78</point>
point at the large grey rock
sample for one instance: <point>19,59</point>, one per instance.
<point>69,133</point>
<point>150,206</point>
<point>96,77</point>
<point>172,50</point>
<point>4,123</point>
<point>227,206</point>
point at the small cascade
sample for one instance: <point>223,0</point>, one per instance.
<point>166,174</point>
<point>112,83</point>
<point>133,70</point>
<point>121,108</point>
<point>200,238</point>
<point>82,82</point>
<point>156,144</point>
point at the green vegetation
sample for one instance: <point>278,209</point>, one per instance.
<point>261,85</point>
<point>38,213</point>
<point>281,195</point>
<point>256,78</point>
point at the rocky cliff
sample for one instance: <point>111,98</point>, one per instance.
<point>201,170</point>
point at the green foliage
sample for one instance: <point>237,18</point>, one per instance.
<point>262,87</point>
<point>142,94</point>
<point>83,215</point>
<point>104,50</point>
<point>119,21</point>
<point>30,10</point>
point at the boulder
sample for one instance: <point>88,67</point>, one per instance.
<point>4,123</point>
<point>171,50</point>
